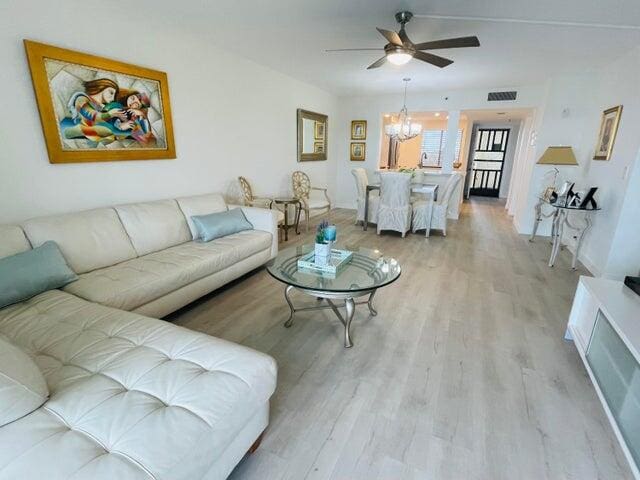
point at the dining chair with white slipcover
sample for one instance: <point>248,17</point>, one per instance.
<point>422,213</point>
<point>394,212</point>
<point>440,207</point>
<point>362,181</point>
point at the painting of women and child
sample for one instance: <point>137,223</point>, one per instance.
<point>101,114</point>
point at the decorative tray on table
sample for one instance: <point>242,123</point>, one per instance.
<point>339,258</point>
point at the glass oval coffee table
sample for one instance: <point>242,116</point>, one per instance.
<point>366,272</point>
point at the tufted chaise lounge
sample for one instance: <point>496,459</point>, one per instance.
<point>131,397</point>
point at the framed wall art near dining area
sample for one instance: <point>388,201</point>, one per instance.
<point>358,151</point>
<point>93,109</point>
<point>607,134</point>
<point>359,130</point>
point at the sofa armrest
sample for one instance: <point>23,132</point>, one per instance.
<point>265,220</point>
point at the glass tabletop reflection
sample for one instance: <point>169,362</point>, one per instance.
<point>367,270</point>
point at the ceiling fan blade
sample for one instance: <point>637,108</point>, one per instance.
<point>377,63</point>
<point>354,50</point>
<point>404,37</point>
<point>432,59</point>
<point>449,43</point>
<point>392,37</point>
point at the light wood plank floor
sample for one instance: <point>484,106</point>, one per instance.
<point>464,373</point>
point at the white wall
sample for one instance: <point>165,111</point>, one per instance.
<point>371,108</point>
<point>211,92</point>
<point>585,96</point>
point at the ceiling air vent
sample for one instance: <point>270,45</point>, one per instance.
<point>501,96</point>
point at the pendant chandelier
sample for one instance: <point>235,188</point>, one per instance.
<point>401,128</point>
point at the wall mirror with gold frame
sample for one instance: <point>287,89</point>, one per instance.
<point>312,136</point>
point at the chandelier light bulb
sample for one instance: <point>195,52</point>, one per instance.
<point>401,127</point>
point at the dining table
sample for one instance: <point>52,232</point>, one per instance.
<point>429,190</point>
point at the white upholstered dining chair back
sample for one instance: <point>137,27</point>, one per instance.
<point>394,212</point>
<point>449,188</point>
<point>439,214</point>
<point>362,181</point>
<point>360,176</point>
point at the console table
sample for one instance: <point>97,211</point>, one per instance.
<point>560,216</point>
<point>605,328</point>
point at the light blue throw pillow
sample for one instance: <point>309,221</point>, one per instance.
<point>221,224</point>
<point>29,273</point>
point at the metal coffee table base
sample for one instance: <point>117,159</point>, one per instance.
<point>349,305</point>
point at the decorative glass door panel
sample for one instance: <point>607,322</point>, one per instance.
<point>488,161</point>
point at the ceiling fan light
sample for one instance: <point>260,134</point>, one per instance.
<point>399,58</point>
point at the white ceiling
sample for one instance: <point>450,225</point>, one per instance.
<point>547,37</point>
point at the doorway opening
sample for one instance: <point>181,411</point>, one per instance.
<point>488,161</point>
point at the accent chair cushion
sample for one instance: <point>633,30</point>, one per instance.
<point>22,384</point>
<point>27,274</point>
<point>216,225</point>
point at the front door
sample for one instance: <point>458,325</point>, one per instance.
<point>488,161</point>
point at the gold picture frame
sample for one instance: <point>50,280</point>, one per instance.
<point>358,130</point>
<point>358,151</point>
<point>103,111</point>
<point>318,130</point>
<point>607,133</point>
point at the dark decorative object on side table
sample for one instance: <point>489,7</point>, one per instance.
<point>633,283</point>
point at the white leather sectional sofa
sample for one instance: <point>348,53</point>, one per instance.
<point>131,397</point>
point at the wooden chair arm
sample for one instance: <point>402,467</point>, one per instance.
<point>323,190</point>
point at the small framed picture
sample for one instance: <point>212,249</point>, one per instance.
<point>318,147</point>
<point>318,131</point>
<point>358,151</point>
<point>359,130</point>
<point>607,134</point>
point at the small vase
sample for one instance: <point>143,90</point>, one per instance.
<point>322,253</point>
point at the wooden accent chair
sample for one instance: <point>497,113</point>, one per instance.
<point>248,198</point>
<point>302,191</point>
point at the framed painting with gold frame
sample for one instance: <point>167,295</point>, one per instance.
<point>358,151</point>
<point>93,109</point>
<point>358,130</point>
<point>309,126</point>
<point>607,134</point>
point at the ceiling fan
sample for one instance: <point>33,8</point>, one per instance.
<point>400,49</point>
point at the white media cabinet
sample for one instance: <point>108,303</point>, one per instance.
<point>605,327</point>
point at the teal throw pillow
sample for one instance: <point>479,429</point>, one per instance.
<point>30,273</point>
<point>221,224</point>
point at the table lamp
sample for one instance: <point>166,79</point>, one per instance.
<point>558,156</point>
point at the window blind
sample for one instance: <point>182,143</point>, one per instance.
<point>433,143</point>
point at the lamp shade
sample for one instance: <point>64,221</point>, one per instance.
<point>558,156</point>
